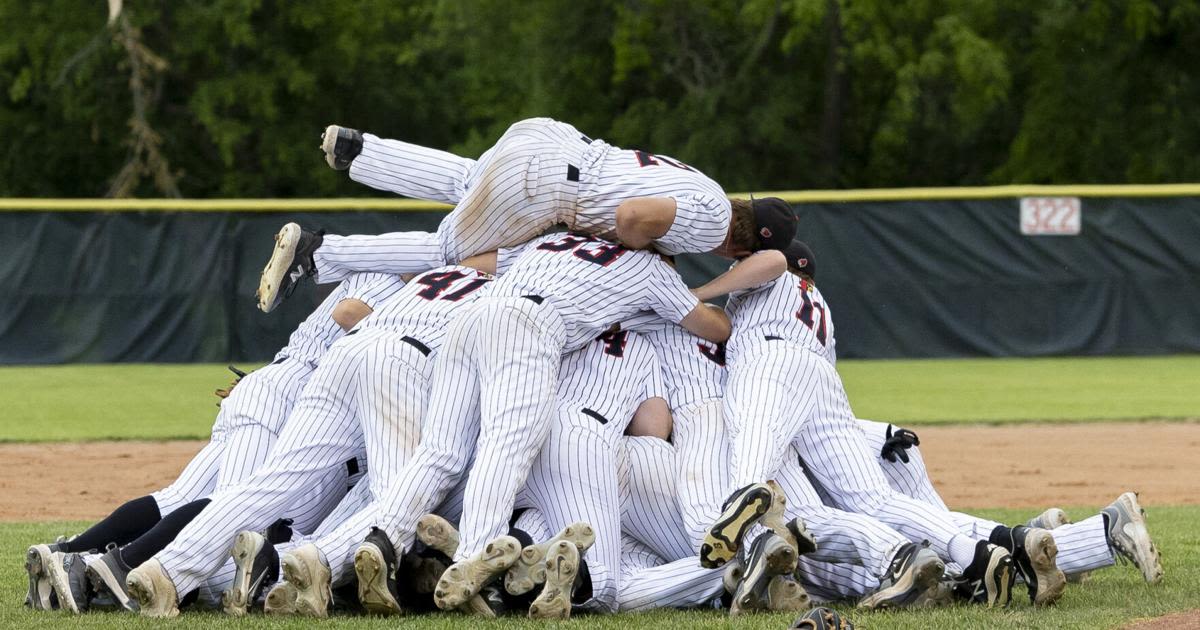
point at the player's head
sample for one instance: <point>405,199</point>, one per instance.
<point>800,258</point>
<point>756,224</point>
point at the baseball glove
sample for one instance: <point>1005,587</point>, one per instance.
<point>897,444</point>
<point>822,619</point>
<point>224,392</point>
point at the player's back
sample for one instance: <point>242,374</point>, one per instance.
<point>426,305</point>
<point>789,308</point>
<point>593,283</point>
<point>318,331</point>
<point>693,369</point>
<point>610,377</point>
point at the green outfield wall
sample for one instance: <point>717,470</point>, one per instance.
<point>998,271</point>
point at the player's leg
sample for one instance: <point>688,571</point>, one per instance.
<point>648,480</point>
<point>518,363</point>
<point>648,581</point>
<point>826,581</point>
<point>702,448</point>
<point>411,170</point>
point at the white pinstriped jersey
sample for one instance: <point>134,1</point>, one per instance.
<point>788,307</point>
<point>610,376</point>
<point>693,369</point>
<point>617,175</point>
<point>318,331</point>
<point>424,308</point>
<point>593,283</point>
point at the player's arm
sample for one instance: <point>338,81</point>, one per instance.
<point>671,298</point>
<point>349,312</point>
<point>364,291</point>
<point>751,272</point>
<point>643,219</point>
<point>485,262</point>
<point>652,419</point>
<point>709,322</point>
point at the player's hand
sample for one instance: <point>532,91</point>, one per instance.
<point>897,444</point>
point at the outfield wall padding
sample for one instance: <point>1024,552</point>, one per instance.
<point>909,278</point>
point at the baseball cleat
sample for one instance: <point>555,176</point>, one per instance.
<point>561,566</point>
<point>1050,519</point>
<point>732,574</point>
<point>37,565</point>
<point>309,578</point>
<point>784,594</point>
<point>375,564</point>
<point>281,599</point>
<point>463,579</point>
<point>340,146</point>
<point>153,590</point>
<point>257,565</point>
<point>940,594</point>
<point>1129,538</point>
<point>107,575</point>
<point>1035,557</point>
<point>438,534</point>
<point>745,507</point>
<point>822,618</point>
<point>990,576</point>
<point>769,556</point>
<point>775,518</point>
<point>427,573</point>
<point>291,261</point>
<point>530,568</point>
<point>914,570</point>
<point>68,577</point>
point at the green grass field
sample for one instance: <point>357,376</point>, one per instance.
<point>162,402</point>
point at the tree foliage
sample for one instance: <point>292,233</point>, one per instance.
<point>761,94</point>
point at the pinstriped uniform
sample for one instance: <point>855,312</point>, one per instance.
<point>371,373</point>
<point>520,187</point>
<point>1082,546</point>
<point>574,478</point>
<point>785,390</point>
<point>253,414</point>
<point>494,383</point>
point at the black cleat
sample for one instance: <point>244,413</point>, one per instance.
<point>68,576</point>
<point>257,565</point>
<point>745,507</point>
<point>913,571</point>
<point>340,146</point>
<point>107,575</point>
<point>375,564</point>
<point>291,261</point>
<point>1035,558</point>
<point>990,576</point>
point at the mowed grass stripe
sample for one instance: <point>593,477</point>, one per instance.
<point>128,401</point>
<point>1110,598</point>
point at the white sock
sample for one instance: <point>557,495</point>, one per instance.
<point>962,550</point>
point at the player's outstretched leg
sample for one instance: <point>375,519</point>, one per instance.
<point>914,570</point>
<point>745,507</point>
<point>153,590</point>
<point>990,576</point>
<point>305,589</point>
<point>561,569</point>
<point>257,565</point>
<point>463,579</point>
<point>530,568</point>
<point>291,261</point>
<point>375,565</point>
<point>1129,538</point>
<point>107,575</point>
<point>770,556</point>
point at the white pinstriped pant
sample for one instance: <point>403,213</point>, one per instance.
<point>371,374</point>
<point>701,441</point>
<point>779,393</point>
<point>493,395</point>
<point>1082,546</point>
<point>515,191</point>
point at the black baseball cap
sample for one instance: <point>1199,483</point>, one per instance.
<point>800,256</point>
<point>774,221</point>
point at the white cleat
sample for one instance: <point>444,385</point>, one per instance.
<point>153,590</point>
<point>1129,538</point>
<point>308,574</point>
<point>38,560</point>
<point>562,566</point>
<point>464,579</point>
<point>437,533</point>
<point>530,568</point>
<point>281,600</point>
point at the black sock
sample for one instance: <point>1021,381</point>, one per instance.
<point>161,535</point>
<point>521,535</point>
<point>125,524</point>
<point>1002,536</point>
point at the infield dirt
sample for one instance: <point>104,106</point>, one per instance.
<point>1019,466</point>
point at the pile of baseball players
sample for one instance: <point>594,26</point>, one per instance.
<point>528,412</point>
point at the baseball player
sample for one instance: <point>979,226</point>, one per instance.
<point>494,384</point>
<point>781,390</point>
<point>370,388</point>
<point>246,427</point>
<point>539,174</point>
